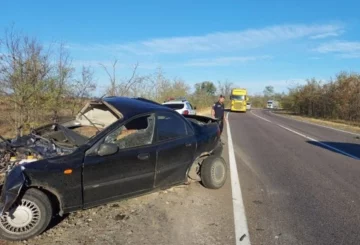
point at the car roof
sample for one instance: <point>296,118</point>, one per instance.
<point>130,107</point>
<point>175,102</point>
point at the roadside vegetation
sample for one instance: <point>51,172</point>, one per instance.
<point>336,101</point>
<point>40,84</point>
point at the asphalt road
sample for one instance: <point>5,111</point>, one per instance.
<point>300,182</point>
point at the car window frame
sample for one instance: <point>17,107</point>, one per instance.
<point>176,115</point>
<point>95,146</point>
<point>175,103</point>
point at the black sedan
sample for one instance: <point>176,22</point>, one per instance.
<point>115,148</point>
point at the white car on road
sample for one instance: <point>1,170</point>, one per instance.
<point>248,106</point>
<point>183,107</point>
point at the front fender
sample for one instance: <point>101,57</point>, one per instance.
<point>14,182</point>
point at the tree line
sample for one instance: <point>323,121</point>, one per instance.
<point>39,83</point>
<point>337,99</point>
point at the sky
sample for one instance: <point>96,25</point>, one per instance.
<point>251,43</point>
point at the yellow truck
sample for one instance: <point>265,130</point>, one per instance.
<point>238,99</point>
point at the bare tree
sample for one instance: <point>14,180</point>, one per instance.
<point>112,77</point>
<point>225,87</point>
<point>81,89</point>
<point>24,68</point>
<point>60,82</point>
<point>123,87</point>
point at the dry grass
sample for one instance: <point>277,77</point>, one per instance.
<point>337,124</point>
<point>204,111</point>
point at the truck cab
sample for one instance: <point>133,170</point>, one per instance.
<point>272,104</point>
<point>239,99</point>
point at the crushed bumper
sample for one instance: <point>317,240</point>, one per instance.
<point>14,181</point>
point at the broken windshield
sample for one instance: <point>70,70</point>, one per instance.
<point>93,118</point>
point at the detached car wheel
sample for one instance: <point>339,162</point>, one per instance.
<point>27,218</point>
<point>213,172</point>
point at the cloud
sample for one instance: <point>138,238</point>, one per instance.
<point>355,55</point>
<point>338,47</point>
<point>218,41</point>
<point>221,61</point>
<point>328,34</point>
<point>344,49</point>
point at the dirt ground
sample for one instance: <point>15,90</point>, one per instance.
<point>180,215</point>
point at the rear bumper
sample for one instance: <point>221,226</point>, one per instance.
<point>218,149</point>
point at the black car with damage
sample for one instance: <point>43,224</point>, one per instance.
<point>115,148</point>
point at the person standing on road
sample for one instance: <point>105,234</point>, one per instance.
<point>218,112</point>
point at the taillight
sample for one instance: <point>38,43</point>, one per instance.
<point>186,112</point>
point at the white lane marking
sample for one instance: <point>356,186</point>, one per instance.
<point>241,228</point>
<point>312,139</point>
<point>320,143</point>
<point>261,117</point>
<point>335,129</point>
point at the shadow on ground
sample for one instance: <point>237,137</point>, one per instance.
<point>240,112</point>
<point>56,221</point>
<point>347,149</point>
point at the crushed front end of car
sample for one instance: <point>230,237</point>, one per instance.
<point>15,155</point>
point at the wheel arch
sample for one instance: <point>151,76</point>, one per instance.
<point>191,173</point>
<point>53,195</point>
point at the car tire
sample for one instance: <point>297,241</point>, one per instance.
<point>213,172</point>
<point>31,216</point>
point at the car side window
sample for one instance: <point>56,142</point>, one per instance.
<point>189,106</point>
<point>135,133</point>
<point>170,126</point>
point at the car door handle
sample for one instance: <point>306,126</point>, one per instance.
<point>143,156</point>
<point>188,144</point>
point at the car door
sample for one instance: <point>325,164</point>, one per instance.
<point>129,171</point>
<point>176,147</point>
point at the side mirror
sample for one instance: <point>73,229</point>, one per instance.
<point>230,97</point>
<point>194,107</point>
<point>106,149</point>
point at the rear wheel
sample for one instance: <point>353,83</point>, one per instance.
<point>213,172</point>
<point>27,218</point>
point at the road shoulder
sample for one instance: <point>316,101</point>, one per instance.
<point>342,127</point>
